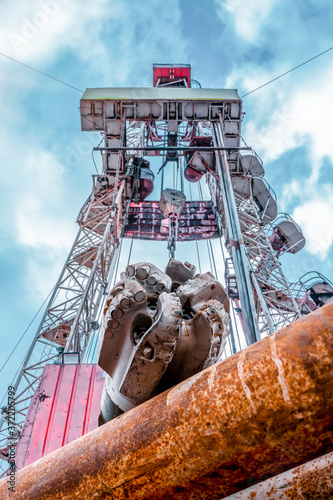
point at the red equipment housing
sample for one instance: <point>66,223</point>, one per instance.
<point>172,75</point>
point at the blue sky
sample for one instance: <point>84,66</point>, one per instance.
<point>46,163</point>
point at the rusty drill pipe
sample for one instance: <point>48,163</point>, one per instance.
<point>312,480</point>
<point>265,409</point>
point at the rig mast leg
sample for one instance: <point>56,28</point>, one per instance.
<point>239,257</point>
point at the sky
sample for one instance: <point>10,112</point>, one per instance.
<point>46,161</point>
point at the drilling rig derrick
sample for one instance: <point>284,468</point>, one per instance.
<point>154,328</point>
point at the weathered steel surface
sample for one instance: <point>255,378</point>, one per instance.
<point>261,411</point>
<point>312,481</point>
<point>145,221</point>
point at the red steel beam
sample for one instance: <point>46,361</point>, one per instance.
<point>264,410</point>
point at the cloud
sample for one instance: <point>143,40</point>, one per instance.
<point>112,37</point>
<point>281,118</point>
<point>315,217</point>
<point>311,206</point>
<point>38,31</point>
<point>148,35</point>
<point>289,121</point>
<point>39,198</point>
<point>104,43</point>
<point>249,17</point>
<point>37,206</point>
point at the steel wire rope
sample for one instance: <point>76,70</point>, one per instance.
<point>177,175</point>
<point>13,379</point>
<point>287,72</point>
<point>90,358</point>
<point>263,296</point>
<point>244,95</point>
<point>163,158</point>
<point>88,351</point>
<point>93,345</point>
<point>117,263</point>
<point>211,249</point>
<point>232,304</point>
<point>92,154</point>
<point>94,349</point>
<point>41,72</point>
<point>230,342</point>
<point>177,166</point>
<point>91,121</point>
<point>230,347</point>
<point>26,330</point>
<point>130,251</point>
<point>196,241</point>
<point>21,365</point>
<point>47,354</point>
<point>111,278</point>
<point>237,332</point>
<point>201,197</point>
<point>122,235</point>
<point>242,139</point>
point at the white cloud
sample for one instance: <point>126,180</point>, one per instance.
<point>147,35</point>
<point>296,111</point>
<point>40,30</point>
<point>290,191</point>
<point>249,17</point>
<point>111,37</point>
<point>315,217</point>
<point>37,222</point>
<point>283,117</point>
<point>39,203</point>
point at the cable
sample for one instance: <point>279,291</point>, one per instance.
<point>209,256</point>
<point>130,251</point>
<point>213,259</point>
<point>198,255</point>
<point>286,73</point>
<point>164,159</point>
<point>93,159</point>
<point>196,241</point>
<point>92,154</point>
<point>12,382</point>
<point>117,263</point>
<point>33,319</point>
<point>42,73</point>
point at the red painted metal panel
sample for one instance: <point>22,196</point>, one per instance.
<point>65,406</point>
<point>61,410</point>
<point>43,399</point>
<point>81,405</point>
<point>173,72</point>
<point>94,403</point>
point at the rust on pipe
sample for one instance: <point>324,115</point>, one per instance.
<point>313,480</point>
<point>264,410</point>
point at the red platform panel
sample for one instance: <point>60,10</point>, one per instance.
<point>65,406</point>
